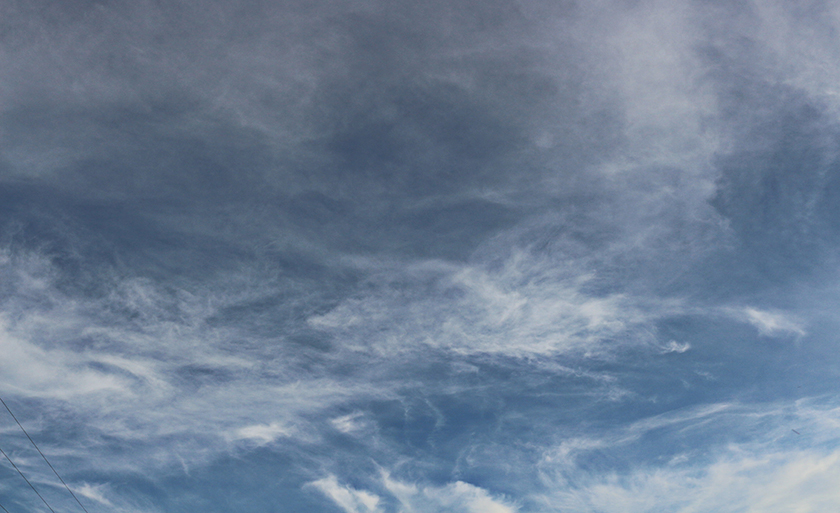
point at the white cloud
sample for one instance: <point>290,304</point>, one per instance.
<point>262,433</point>
<point>56,373</point>
<point>346,497</point>
<point>772,324</point>
<point>94,492</point>
<point>676,347</point>
<point>529,305</point>
<point>778,482</point>
<point>142,365</point>
<point>461,496</point>
<point>775,471</point>
<point>457,497</point>
<point>649,52</point>
<point>348,423</point>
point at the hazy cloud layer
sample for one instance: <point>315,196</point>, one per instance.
<point>368,256</point>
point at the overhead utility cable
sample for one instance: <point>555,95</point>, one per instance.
<point>42,454</point>
<point>27,480</point>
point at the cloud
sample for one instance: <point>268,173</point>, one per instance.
<point>54,373</point>
<point>772,324</point>
<point>262,433</point>
<point>809,62</point>
<point>349,423</point>
<point>457,497</point>
<point>648,51</point>
<point>566,456</point>
<point>675,347</point>
<point>143,365</point>
<point>768,468</point>
<point>94,492</point>
<point>523,305</point>
<point>249,231</point>
<point>776,482</point>
<point>346,497</point>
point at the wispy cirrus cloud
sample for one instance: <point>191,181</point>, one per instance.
<point>773,323</point>
<point>95,492</point>
<point>165,378</point>
<point>772,482</point>
<point>521,305</point>
<point>457,497</point>
<point>349,499</point>
<point>762,460</point>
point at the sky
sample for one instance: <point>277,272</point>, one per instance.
<point>362,256</point>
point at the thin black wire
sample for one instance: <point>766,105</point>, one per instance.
<point>42,454</point>
<point>27,480</point>
<point>4,509</point>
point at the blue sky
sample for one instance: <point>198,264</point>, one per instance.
<point>410,257</point>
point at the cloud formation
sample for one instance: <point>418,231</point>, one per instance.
<point>523,255</point>
<point>349,499</point>
<point>457,497</point>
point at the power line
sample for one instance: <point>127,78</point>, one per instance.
<point>4,509</point>
<point>27,480</point>
<point>42,454</point>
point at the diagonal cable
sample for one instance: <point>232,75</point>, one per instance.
<point>4,508</point>
<point>27,480</point>
<point>42,454</point>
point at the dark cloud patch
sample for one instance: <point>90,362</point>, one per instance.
<point>398,119</point>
